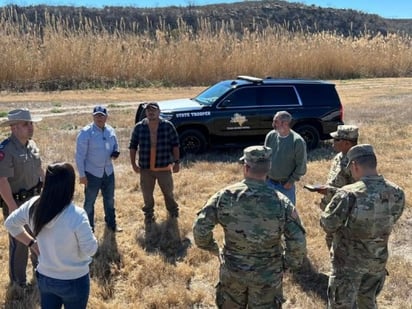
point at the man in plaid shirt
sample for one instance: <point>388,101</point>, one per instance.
<point>157,143</point>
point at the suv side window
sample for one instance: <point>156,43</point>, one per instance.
<point>243,97</point>
<point>279,95</point>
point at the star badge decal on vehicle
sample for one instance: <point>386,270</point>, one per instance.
<point>239,119</point>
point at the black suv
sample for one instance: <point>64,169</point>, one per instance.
<point>240,111</point>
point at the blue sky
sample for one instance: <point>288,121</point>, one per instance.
<point>384,8</point>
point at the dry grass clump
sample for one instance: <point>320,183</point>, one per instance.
<point>79,56</point>
<point>127,274</point>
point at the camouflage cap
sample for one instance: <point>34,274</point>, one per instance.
<point>256,154</point>
<point>346,132</point>
<point>362,150</point>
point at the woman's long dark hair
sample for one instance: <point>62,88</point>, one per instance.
<point>57,194</point>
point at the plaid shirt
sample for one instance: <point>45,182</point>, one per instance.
<point>167,139</point>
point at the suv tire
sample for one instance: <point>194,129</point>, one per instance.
<point>309,133</point>
<point>192,141</point>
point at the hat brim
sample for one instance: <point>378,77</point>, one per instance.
<point>334,134</point>
<point>15,121</point>
<point>242,159</point>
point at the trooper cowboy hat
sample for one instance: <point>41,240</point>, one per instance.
<point>18,115</point>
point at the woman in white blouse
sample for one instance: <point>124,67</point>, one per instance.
<point>63,240</point>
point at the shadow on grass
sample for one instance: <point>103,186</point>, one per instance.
<point>107,263</point>
<point>231,154</point>
<point>311,280</point>
<point>164,238</point>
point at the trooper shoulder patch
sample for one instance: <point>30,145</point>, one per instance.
<point>4,143</point>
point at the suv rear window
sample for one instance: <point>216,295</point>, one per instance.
<point>318,94</point>
<point>279,95</point>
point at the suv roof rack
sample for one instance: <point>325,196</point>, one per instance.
<point>250,78</point>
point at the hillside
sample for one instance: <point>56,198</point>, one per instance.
<point>253,15</point>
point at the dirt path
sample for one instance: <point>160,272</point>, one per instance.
<point>49,104</point>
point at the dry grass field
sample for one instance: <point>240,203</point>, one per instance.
<point>125,275</point>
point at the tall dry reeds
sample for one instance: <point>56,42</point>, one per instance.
<point>85,52</point>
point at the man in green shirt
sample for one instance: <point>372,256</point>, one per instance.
<point>288,155</point>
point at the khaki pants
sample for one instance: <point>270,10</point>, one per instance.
<point>148,180</point>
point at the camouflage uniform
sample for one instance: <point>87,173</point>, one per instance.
<point>254,218</point>
<point>339,173</point>
<point>339,176</point>
<point>360,216</point>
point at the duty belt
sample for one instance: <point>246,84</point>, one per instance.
<point>24,194</point>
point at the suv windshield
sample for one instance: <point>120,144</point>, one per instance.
<point>211,94</point>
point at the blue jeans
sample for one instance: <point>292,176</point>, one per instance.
<point>291,193</point>
<point>106,185</point>
<point>54,293</point>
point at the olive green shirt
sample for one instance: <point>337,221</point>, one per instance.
<point>289,156</point>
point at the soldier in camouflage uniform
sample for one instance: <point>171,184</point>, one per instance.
<point>254,218</point>
<point>361,216</point>
<point>344,138</point>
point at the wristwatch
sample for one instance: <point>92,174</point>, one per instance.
<point>31,243</point>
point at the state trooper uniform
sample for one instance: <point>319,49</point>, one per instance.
<point>21,164</point>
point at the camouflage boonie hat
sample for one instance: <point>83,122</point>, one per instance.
<point>256,154</point>
<point>346,132</point>
<point>362,150</point>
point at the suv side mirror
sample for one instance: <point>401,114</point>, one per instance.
<point>225,103</point>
